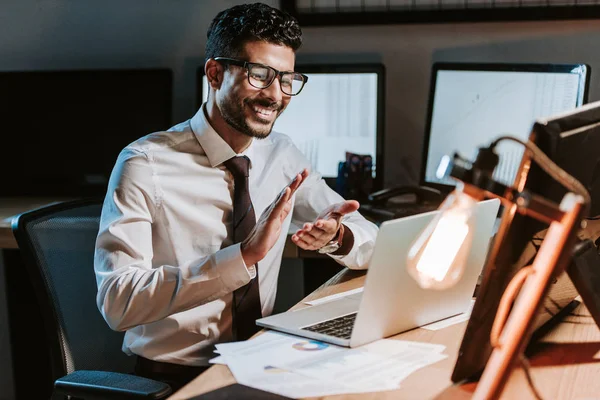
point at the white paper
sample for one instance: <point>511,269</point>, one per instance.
<point>267,338</point>
<point>363,367</point>
<point>334,296</point>
<point>250,363</point>
<point>286,383</point>
<point>392,346</point>
<point>218,360</point>
<point>297,367</point>
<point>277,345</point>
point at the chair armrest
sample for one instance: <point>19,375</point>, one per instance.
<point>101,385</point>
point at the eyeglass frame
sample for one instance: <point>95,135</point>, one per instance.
<point>278,74</point>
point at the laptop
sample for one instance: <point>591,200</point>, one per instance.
<point>391,302</point>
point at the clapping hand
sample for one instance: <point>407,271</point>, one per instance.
<point>268,227</point>
<point>317,234</point>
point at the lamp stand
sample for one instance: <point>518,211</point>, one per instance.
<point>513,327</point>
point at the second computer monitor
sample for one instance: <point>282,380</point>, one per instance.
<point>471,104</point>
<point>339,110</point>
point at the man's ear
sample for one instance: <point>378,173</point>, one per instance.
<point>213,71</point>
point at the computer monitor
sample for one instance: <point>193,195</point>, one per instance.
<point>470,104</point>
<point>63,130</point>
<point>340,109</point>
<point>572,141</point>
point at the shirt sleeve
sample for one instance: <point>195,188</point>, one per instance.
<point>313,196</point>
<point>131,290</point>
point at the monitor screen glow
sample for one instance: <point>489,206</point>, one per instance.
<point>472,104</point>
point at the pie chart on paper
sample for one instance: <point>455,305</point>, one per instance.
<point>310,345</point>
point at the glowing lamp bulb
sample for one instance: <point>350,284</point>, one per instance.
<point>438,257</point>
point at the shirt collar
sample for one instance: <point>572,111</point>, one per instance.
<point>217,150</point>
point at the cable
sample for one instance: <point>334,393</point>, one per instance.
<point>525,365</point>
<point>556,172</point>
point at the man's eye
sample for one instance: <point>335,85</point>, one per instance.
<point>259,75</point>
<point>286,82</point>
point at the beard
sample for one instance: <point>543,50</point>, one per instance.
<point>232,110</point>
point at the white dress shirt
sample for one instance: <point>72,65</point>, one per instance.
<point>165,263</point>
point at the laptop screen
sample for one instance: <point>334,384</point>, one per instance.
<point>472,104</point>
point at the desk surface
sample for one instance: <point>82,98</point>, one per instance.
<point>565,366</point>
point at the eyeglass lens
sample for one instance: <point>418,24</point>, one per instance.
<point>261,77</point>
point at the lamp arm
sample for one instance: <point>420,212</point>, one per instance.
<point>527,203</point>
<point>509,296</point>
<point>479,185</point>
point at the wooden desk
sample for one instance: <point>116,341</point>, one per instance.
<point>565,366</point>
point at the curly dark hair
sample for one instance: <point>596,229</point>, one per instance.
<point>232,28</point>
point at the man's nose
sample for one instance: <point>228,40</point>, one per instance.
<point>273,92</point>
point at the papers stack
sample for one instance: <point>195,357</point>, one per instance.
<point>296,367</point>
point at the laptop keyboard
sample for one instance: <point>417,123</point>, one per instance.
<point>340,327</point>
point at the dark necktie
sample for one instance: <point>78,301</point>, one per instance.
<point>246,300</point>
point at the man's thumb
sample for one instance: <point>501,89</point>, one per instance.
<point>347,207</point>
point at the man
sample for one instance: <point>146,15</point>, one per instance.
<point>189,248</point>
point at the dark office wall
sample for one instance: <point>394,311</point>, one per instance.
<point>59,34</point>
<point>6,373</point>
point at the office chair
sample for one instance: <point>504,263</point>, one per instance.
<point>57,244</point>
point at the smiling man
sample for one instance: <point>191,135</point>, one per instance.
<point>195,218</point>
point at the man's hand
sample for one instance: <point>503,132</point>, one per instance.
<point>268,227</point>
<point>315,235</point>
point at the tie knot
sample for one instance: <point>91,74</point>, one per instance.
<point>238,166</point>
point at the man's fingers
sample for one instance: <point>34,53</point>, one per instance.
<point>283,198</point>
<point>298,179</point>
<point>328,225</point>
<point>310,235</point>
<point>280,209</point>
<point>293,186</point>
<point>304,173</point>
<point>303,244</point>
<point>282,193</point>
<point>295,183</point>
<point>287,192</point>
<point>346,207</point>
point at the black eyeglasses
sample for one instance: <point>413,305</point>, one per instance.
<point>262,76</point>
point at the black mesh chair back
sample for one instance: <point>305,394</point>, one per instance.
<point>57,243</point>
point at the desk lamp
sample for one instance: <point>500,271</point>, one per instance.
<point>437,257</point>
